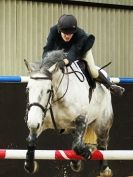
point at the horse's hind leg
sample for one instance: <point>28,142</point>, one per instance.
<point>78,146</point>
<point>102,132</point>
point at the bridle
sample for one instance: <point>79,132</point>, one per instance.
<point>44,109</point>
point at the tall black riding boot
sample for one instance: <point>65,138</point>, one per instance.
<point>115,89</point>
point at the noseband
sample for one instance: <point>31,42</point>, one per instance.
<point>44,109</point>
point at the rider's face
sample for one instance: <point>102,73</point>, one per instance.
<point>66,37</point>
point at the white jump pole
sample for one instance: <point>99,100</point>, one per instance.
<point>67,154</point>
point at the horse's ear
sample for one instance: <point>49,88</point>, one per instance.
<point>52,68</point>
<point>27,65</point>
<point>33,66</point>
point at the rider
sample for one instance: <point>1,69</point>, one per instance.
<point>76,43</point>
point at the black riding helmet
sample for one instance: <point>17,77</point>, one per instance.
<point>67,24</point>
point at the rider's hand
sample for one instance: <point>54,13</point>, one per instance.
<point>66,61</point>
<point>61,65</point>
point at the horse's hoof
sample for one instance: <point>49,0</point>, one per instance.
<point>36,166</point>
<point>76,166</point>
<point>106,173</point>
<point>83,150</point>
<point>31,167</point>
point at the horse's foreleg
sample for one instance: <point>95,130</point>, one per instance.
<point>30,165</point>
<point>78,145</point>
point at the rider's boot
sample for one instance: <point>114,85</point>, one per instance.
<point>115,89</point>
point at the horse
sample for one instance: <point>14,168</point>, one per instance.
<point>59,98</point>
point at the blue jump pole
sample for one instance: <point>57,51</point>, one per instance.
<point>126,80</point>
<point>14,79</point>
<point>122,80</point>
<point>21,79</point>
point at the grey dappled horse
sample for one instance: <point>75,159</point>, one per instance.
<point>64,95</point>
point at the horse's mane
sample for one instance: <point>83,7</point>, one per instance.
<point>52,58</point>
<point>49,60</point>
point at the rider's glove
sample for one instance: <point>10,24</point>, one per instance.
<point>66,61</point>
<point>63,63</point>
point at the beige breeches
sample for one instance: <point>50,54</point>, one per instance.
<point>91,64</point>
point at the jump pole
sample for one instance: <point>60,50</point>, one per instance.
<point>24,79</point>
<point>67,154</point>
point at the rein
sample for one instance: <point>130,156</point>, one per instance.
<point>66,87</point>
<point>75,72</point>
<point>67,73</point>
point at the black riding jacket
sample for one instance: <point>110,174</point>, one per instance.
<point>75,48</point>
